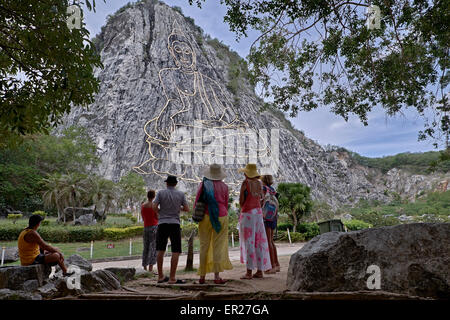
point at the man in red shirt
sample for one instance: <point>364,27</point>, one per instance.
<point>150,217</point>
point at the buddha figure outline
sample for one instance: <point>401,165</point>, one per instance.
<point>190,95</point>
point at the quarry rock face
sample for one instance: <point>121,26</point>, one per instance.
<point>410,259</point>
<point>164,83</point>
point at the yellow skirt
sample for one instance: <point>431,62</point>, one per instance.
<point>213,247</point>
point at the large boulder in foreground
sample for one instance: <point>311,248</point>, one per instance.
<point>413,259</point>
<point>14,277</point>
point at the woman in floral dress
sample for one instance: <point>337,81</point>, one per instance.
<point>252,234</point>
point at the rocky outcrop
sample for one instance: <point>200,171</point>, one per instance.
<point>82,216</point>
<point>411,259</point>
<point>33,282</point>
<point>123,274</point>
<point>11,254</point>
<point>14,277</point>
<point>76,260</point>
<point>143,84</point>
<point>7,294</point>
<point>85,220</point>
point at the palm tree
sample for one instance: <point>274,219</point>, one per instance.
<point>73,190</point>
<point>102,192</point>
<point>295,201</point>
<point>52,186</point>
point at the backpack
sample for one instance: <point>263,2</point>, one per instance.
<point>270,204</point>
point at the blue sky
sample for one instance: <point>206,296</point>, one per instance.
<point>383,136</point>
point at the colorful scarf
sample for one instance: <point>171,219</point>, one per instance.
<point>213,207</point>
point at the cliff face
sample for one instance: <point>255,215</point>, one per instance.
<point>162,75</point>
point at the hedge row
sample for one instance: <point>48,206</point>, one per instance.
<point>122,233</point>
<point>310,230</point>
<point>73,233</point>
<point>355,224</point>
<point>295,236</point>
<point>55,234</point>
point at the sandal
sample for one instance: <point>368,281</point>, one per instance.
<point>219,281</point>
<point>258,275</point>
<point>201,281</point>
<point>179,281</point>
<point>164,280</point>
<point>271,271</point>
<point>246,277</point>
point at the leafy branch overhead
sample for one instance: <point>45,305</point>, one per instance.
<point>45,67</point>
<point>313,53</point>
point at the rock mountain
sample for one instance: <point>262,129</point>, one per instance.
<point>164,81</point>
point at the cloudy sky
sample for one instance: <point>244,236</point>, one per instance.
<point>383,136</point>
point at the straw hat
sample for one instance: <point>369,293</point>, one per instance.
<point>214,172</point>
<point>250,170</point>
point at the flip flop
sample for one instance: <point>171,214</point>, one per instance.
<point>219,281</point>
<point>246,277</point>
<point>259,276</point>
<point>179,281</point>
<point>164,280</point>
<point>272,271</point>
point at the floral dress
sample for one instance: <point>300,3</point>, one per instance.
<point>252,234</point>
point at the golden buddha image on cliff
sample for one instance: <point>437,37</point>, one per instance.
<point>197,122</point>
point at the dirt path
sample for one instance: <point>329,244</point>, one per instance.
<point>147,284</point>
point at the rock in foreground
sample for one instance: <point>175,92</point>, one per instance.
<point>413,259</point>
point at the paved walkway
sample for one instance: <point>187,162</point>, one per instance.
<point>283,249</point>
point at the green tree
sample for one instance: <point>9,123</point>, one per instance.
<point>73,191</point>
<point>295,201</point>
<point>52,186</point>
<point>312,53</point>
<point>102,192</point>
<point>132,190</point>
<point>45,67</point>
<point>23,166</point>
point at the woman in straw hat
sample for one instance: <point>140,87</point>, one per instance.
<point>213,229</point>
<point>252,234</point>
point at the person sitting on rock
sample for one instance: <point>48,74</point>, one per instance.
<point>34,250</point>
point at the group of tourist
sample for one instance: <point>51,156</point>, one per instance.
<point>258,218</point>
<point>161,214</point>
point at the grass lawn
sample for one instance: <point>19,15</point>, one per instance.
<point>100,248</point>
<point>110,222</point>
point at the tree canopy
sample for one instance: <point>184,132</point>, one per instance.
<point>313,53</point>
<point>295,201</point>
<point>45,67</point>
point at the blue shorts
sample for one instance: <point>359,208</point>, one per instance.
<point>270,224</point>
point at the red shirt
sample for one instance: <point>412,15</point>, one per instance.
<point>149,216</point>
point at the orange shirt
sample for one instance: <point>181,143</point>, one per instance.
<point>27,251</point>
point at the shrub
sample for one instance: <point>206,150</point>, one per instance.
<point>14,217</point>
<point>10,232</point>
<point>295,236</point>
<point>122,233</point>
<point>58,233</point>
<point>355,224</point>
<point>187,229</point>
<point>45,223</point>
<point>310,229</point>
<point>43,214</point>
<point>131,217</point>
<point>285,226</point>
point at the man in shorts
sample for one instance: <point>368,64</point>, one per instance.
<point>170,201</point>
<point>34,250</point>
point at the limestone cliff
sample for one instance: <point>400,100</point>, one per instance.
<point>162,73</point>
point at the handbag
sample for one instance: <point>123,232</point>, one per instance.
<point>199,211</point>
